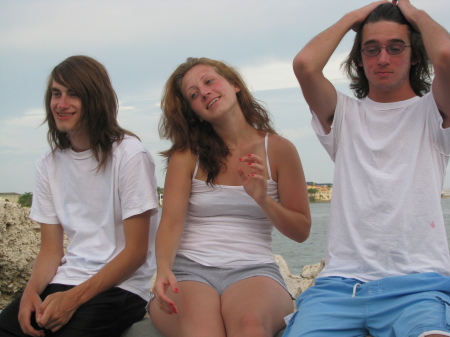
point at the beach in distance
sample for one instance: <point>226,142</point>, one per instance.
<point>312,251</point>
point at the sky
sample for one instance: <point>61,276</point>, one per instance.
<point>141,42</point>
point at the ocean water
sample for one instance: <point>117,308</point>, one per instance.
<point>312,250</point>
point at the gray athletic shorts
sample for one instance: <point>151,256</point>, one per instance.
<point>185,269</point>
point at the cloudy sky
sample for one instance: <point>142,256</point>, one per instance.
<point>141,42</point>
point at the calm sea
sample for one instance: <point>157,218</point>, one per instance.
<point>312,250</point>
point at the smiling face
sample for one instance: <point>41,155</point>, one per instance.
<point>66,107</point>
<point>388,75</point>
<point>209,94</point>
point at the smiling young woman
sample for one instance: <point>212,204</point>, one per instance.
<point>230,180</point>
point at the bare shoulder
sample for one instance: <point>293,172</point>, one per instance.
<point>280,146</point>
<point>182,160</point>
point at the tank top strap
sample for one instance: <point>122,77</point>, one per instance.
<point>266,145</point>
<point>196,168</point>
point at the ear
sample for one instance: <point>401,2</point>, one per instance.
<point>236,88</point>
<point>360,63</point>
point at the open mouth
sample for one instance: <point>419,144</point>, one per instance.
<point>66,114</point>
<point>212,102</point>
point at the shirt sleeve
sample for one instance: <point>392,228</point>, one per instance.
<point>137,183</point>
<point>42,209</point>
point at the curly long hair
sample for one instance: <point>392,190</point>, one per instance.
<point>181,125</point>
<point>420,72</point>
<point>90,81</point>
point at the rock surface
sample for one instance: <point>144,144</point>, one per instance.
<point>19,245</point>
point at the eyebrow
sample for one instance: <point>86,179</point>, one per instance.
<point>389,42</point>
<point>194,86</point>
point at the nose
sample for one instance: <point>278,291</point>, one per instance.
<point>204,91</point>
<point>384,57</point>
<point>63,102</point>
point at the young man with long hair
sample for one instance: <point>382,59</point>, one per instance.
<point>387,265</point>
<point>97,185</point>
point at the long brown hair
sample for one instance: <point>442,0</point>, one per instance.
<point>180,124</point>
<point>90,81</point>
<point>420,72</point>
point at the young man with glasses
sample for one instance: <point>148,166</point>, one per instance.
<point>387,265</point>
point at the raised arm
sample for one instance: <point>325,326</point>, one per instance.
<point>309,63</point>
<point>437,45</point>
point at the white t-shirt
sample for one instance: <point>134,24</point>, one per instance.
<point>390,161</point>
<point>91,206</point>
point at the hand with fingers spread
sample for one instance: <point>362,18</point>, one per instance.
<point>163,282</point>
<point>255,183</point>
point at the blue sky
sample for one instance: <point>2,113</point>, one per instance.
<point>141,42</point>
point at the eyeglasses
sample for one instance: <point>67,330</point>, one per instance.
<point>392,49</point>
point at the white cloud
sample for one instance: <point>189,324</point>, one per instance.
<point>270,75</point>
<point>297,134</point>
<point>31,118</point>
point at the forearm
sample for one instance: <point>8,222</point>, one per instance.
<point>316,54</point>
<point>44,270</point>
<point>113,273</point>
<point>293,224</point>
<point>435,37</point>
<point>167,243</point>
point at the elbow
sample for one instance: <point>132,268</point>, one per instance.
<point>138,256</point>
<point>141,258</point>
<point>443,61</point>
<point>305,230</point>
<point>302,66</point>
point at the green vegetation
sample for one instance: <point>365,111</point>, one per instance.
<point>26,199</point>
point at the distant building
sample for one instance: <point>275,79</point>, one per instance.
<point>11,197</point>
<point>319,192</point>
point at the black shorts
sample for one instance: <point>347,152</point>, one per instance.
<point>106,315</point>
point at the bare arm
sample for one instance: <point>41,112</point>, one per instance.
<point>292,215</point>
<point>45,266</point>
<point>437,45</point>
<point>309,63</point>
<point>58,308</point>
<point>177,189</point>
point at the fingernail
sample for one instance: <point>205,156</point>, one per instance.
<point>240,159</point>
<point>249,164</point>
<point>176,290</point>
<point>249,155</point>
<point>253,175</point>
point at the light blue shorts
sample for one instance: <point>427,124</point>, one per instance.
<point>400,306</point>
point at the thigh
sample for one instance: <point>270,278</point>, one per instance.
<point>106,315</point>
<point>255,306</point>
<point>414,315</point>
<point>328,309</point>
<point>198,314</point>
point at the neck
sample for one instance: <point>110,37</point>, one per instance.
<point>391,95</point>
<point>79,142</point>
